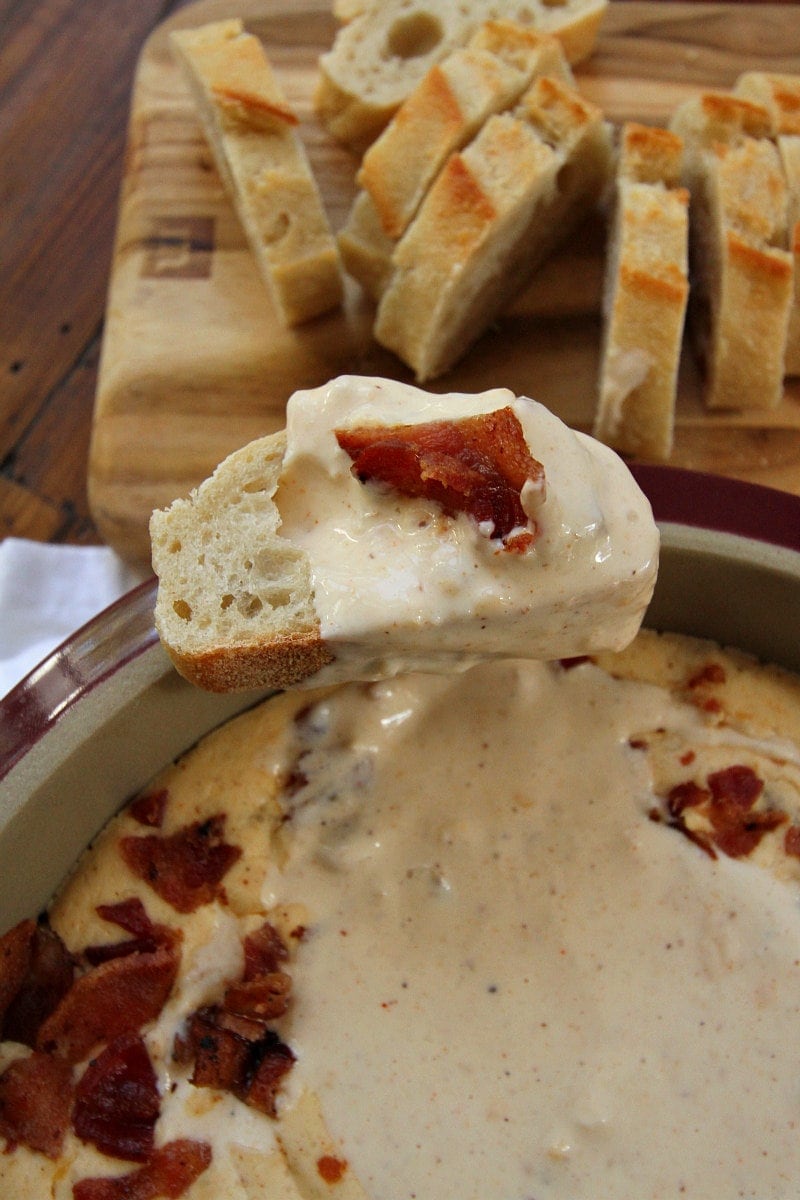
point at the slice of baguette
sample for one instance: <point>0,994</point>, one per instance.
<point>494,213</point>
<point>789,150</point>
<point>741,273</point>
<point>234,607</point>
<point>447,108</point>
<point>646,291</point>
<point>251,130</point>
<point>384,50</point>
<point>780,96</point>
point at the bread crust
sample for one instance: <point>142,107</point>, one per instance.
<point>494,212</point>
<point>383,50</point>
<point>280,663</point>
<point>251,130</point>
<point>645,298</point>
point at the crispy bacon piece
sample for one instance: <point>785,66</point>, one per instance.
<point>727,802</point>
<point>331,1168</point>
<point>36,970</point>
<point>264,951</point>
<point>35,1101</point>
<point>131,916</point>
<point>475,465</point>
<point>117,1101</point>
<point>262,999</point>
<point>114,998</point>
<point>186,868</point>
<point>248,1067</point>
<point>149,808</point>
<point>171,1171</point>
<point>791,841</point>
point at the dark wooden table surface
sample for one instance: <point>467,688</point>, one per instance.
<point>66,69</point>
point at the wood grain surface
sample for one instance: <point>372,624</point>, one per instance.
<point>194,362</point>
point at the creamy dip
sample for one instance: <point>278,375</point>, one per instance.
<point>399,585</point>
<point>515,984</point>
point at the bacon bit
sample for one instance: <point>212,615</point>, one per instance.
<point>262,999</point>
<point>264,950</point>
<point>712,672</point>
<point>171,1171</point>
<point>275,1061</point>
<point>791,841</point>
<point>577,660</point>
<point>688,758</point>
<point>131,916</point>
<point>15,956</point>
<point>186,868</point>
<point>35,1102</point>
<point>149,809</point>
<point>728,805</point>
<point>330,1168</point>
<point>117,1102</point>
<point>476,465</point>
<point>250,1069</point>
<point>37,971</point>
<point>114,998</point>
<point>686,795</point>
<point>638,743</point>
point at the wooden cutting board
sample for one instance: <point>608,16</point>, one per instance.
<point>194,361</point>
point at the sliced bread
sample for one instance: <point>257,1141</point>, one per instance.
<point>493,214</point>
<point>447,108</point>
<point>780,96</point>
<point>789,150</point>
<point>645,296</point>
<point>252,132</point>
<point>741,273</point>
<point>234,607</point>
<point>384,50</point>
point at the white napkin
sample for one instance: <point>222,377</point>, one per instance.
<point>46,593</point>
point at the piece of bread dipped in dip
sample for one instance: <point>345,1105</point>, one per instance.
<point>388,529</point>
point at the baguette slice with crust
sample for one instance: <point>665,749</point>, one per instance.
<point>447,108</point>
<point>741,272</point>
<point>234,607</point>
<point>385,48</point>
<point>251,130</point>
<point>780,95</point>
<point>646,291</point>
<point>495,212</point>
<point>789,150</point>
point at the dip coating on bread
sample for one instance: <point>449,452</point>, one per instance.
<point>299,560</point>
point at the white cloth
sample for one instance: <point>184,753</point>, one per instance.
<point>46,593</point>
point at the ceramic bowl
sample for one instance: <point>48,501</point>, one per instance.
<point>99,717</point>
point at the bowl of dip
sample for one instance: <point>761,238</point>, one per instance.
<point>97,720</point>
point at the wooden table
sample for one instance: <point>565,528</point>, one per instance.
<point>66,70</point>
<point>66,76</point>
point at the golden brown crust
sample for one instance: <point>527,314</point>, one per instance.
<point>279,664</point>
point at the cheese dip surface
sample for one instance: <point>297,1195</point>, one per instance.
<point>544,937</point>
<point>517,983</point>
<point>391,572</point>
